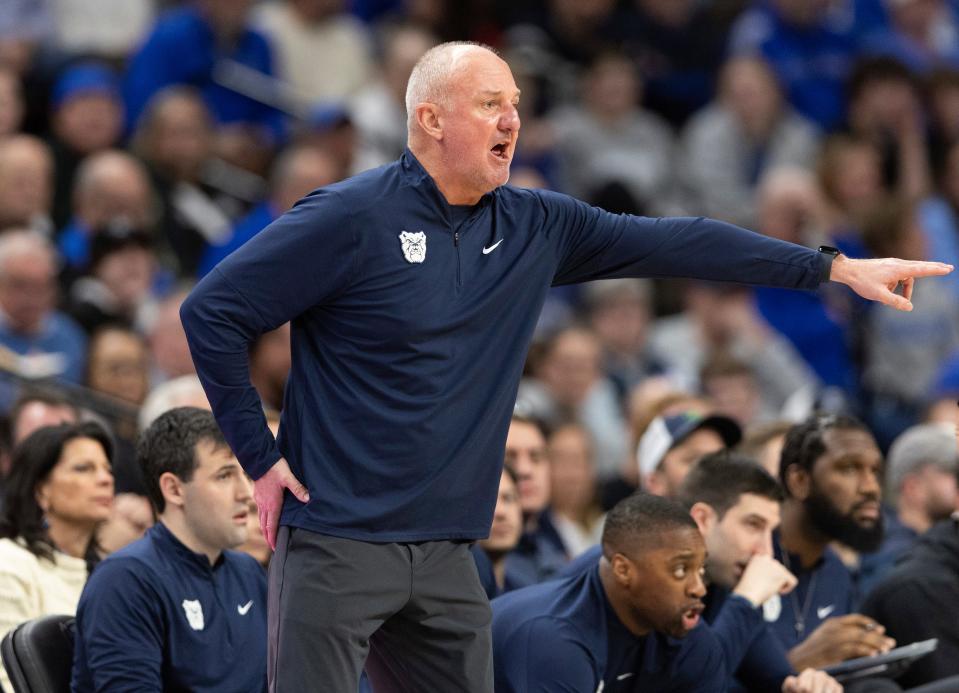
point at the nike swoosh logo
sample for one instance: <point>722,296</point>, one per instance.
<point>623,677</point>
<point>487,251</point>
<point>243,609</point>
<point>824,611</point>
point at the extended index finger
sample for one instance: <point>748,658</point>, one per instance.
<point>918,268</point>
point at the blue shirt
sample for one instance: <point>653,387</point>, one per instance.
<point>182,49</point>
<point>246,228</point>
<point>825,590</point>
<point>563,636</point>
<point>156,616</point>
<point>407,354</point>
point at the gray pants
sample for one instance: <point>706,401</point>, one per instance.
<point>414,613</point>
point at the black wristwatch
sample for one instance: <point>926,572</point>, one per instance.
<point>830,254</point>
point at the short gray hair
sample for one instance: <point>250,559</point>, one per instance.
<point>20,242</point>
<point>432,73</point>
<point>919,447</point>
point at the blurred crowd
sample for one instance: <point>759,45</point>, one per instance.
<point>141,141</point>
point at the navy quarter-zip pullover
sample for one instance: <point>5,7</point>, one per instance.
<point>411,321</point>
<point>563,635</point>
<point>156,616</point>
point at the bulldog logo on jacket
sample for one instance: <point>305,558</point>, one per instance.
<point>414,246</point>
<point>194,613</point>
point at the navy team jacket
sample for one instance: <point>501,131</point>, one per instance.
<point>564,637</point>
<point>410,325</point>
<point>156,616</point>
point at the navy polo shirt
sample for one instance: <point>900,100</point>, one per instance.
<point>411,321</point>
<point>563,636</point>
<point>824,590</point>
<point>156,616</point>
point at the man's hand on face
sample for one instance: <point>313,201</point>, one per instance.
<point>811,681</point>
<point>764,577</point>
<point>838,639</point>
<point>268,494</point>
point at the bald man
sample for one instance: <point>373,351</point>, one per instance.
<point>413,290</point>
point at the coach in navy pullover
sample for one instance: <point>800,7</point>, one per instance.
<point>413,291</point>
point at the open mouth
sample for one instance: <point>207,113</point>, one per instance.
<point>240,518</point>
<point>691,617</point>
<point>501,151</point>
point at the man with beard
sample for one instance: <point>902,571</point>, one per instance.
<point>830,470</point>
<point>631,622</point>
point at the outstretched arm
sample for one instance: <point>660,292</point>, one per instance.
<point>877,280</point>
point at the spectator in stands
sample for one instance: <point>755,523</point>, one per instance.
<point>593,630</point>
<point>110,188</point>
<point>129,520</point>
<point>296,172</point>
<point>608,141</point>
<point>49,343</point>
<point>118,364</point>
<point>920,34</point>
<point>184,391</point>
<point>568,384</point>
<point>26,184</point>
<point>491,553</point>
<point>119,286</point>
<point>177,609</point>
<point>12,107</point>
<point>24,26</point>
<point>169,351</point>
<point>574,509</point>
<point>885,110</point>
<point>942,110</point>
<point>918,599</point>
<point>850,176</point>
<point>196,44</point>
<point>830,472</point>
<point>378,109</point>
<point>59,490</point>
<point>724,317</point>
<point>540,552</point>
<point>672,444</point>
<point>109,29</point>
<point>921,490</point>
<point>175,138</point>
<point>619,313</point>
<point>764,444</point>
<point>811,70</point>
<point>731,384</point>
<point>86,117</point>
<point>791,207</point>
<point>901,354</point>
<point>747,131</point>
<point>309,34</point>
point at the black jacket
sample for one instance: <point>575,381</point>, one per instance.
<point>919,600</point>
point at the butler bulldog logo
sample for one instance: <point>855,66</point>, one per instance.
<point>194,613</point>
<point>414,246</point>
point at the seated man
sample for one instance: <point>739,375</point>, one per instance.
<point>176,610</point>
<point>628,623</point>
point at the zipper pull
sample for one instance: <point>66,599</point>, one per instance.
<point>456,238</point>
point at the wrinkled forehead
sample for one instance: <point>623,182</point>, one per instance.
<point>477,70</point>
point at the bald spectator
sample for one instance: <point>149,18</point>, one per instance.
<point>297,171</point>
<point>184,391</point>
<point>86,117</point>
<point>26,180</point>
<point>378,110</point>
<point>49,343</point>
<point>308,33</point>
<point>110,187</point>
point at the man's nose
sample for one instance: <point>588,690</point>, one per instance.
<point>869,484</point>
<point>764,545</point>
<point>697,588</point>
<point>510,119</point>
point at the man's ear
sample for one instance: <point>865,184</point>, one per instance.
<point>704,516</point>
<point>172,489</point>
<point>798,482</point>
<point>429,120</point>
<point>655,483</point>
<point>622,569</point>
